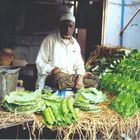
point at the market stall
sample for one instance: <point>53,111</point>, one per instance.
<point>106,124</point>
<point>91,113</point>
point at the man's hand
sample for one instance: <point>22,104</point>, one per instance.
<point>79,82</point>
<point>56,70</point>
<point>88,74</point>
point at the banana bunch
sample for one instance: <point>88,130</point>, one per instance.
<point>60,113</point>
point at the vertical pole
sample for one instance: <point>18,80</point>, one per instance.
<point>122,21</point>
<point>74,12</point>
<point>75,8</point>
<point>103,21</point>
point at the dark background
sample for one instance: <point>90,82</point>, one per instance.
<point>19,18</point>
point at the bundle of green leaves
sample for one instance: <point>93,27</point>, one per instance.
<point>24,102</point>
<point>125,104</point>
<point>124,81</point>
<point>87,99</point>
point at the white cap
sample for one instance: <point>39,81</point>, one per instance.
<point>67,16</point>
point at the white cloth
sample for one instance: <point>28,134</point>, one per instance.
<point>57,52</point>
<point>67,16</point>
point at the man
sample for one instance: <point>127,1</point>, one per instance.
<point>60,53</point>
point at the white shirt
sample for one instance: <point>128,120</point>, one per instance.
<point>61,53</point>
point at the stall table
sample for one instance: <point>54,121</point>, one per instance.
<point>106,124</point>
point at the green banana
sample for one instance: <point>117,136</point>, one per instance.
<point>67,120</point>
<point>48,117</point>
<point>51,114</point>
<point>64,108</point>
<point>57,115</point>
<point>70,102</point>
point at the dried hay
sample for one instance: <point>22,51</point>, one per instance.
<point>106,125</point>
<point>8,119</point>
<point>101,51</point>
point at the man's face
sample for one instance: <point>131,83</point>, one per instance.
<point>66,28</point>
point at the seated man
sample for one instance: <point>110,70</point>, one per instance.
<point>60,58</point>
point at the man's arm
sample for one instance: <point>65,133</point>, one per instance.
<point>43,60</point>
<point>79,82</point>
